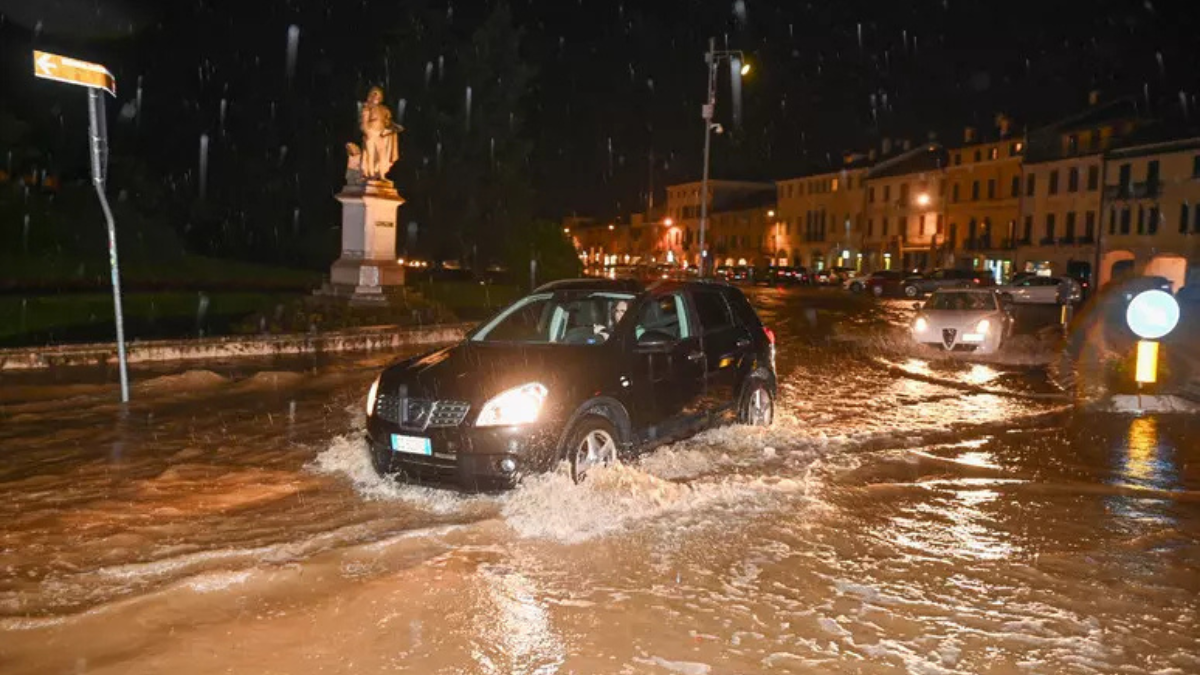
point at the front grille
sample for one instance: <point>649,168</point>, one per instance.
<point>420,413</point>
<point>448,413</point>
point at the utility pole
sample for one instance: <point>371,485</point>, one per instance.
<point>710,103</point>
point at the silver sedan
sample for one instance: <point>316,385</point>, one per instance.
<point>964,320</point>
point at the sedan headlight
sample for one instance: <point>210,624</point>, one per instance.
<point>519,405</point>
<point>920,324</point>
<point>371,394</point>
<point>982,326</point>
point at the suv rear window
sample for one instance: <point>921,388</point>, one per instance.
<point>712,310</point>
<point>744,314</point>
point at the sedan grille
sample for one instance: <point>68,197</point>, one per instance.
<point>419,413</point>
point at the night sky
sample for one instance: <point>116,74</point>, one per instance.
<point>612,84</point>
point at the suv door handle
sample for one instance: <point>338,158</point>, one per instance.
<point>695,356</point>
<point>743,342</point>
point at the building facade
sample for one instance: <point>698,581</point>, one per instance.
<point>981,195</point>
<point>903,211</point>
<point>817,220</point>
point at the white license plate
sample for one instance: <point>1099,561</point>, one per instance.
<point>414,445</point>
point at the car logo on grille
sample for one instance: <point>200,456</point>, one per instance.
<point>948,335</point>
<point>414,413</point>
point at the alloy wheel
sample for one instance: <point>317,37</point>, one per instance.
<point>596,448</point>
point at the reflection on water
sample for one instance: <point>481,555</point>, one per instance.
<point>980,374</point>
<point>516,627</point>
<point>1144,460</point>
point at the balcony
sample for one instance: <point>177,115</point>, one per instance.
<point>1142,190</point>
<point>1066,241</point>
<point>1087,239</point>
<point>1046,241</point>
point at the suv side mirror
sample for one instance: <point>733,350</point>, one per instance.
<point>917,306</point>
<point>655,342</point>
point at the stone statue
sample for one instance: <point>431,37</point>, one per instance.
<point>381,138</point>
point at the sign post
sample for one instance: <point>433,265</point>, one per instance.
<point>1151,315</point>
<point>95,77</point>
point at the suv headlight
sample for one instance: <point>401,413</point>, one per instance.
<point>519,405</point>
<point>371,394</point>
<point>982,326</point>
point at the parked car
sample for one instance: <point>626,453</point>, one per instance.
<point>1044,290</point>
<point>778,276</point>
<point>884,283</point>
<point>735,273</point>
<point>856,282</point>
<point>584,371</point>
<point>918,285</point>
<point>976,320</point>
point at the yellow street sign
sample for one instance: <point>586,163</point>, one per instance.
<point>72,71</point>
<point>1146,370</point>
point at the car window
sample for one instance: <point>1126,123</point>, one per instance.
<point>743,313</point>
<point>572,317</point>
<point>961,301</point>
<point>664,314</point>
<point>712,310</point>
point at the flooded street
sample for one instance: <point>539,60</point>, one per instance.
<point>906,513</point>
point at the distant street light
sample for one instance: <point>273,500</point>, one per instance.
<point>712,57</point>
<point>668,222</point>
<point>923,199</point>
<point>610,227</point>
<point>771,213</point>
<point>566,230</point>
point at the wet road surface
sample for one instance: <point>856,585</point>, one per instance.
<point>907,513</point>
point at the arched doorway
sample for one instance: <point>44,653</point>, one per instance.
<point>1115,265</point>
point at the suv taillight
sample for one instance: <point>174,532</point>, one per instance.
<point>770,335</point>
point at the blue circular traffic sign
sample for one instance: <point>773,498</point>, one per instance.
<point>1152,314</point>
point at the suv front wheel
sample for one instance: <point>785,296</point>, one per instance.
<point>592,443</point>
<point>911,291</point>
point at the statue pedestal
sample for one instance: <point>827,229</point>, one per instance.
<point>368,261</point>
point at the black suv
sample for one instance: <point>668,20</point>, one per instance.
<point>585,371</point>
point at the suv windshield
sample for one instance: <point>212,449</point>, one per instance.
<point>961,301</point>
<point>566,317</point>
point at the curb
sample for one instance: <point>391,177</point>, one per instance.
<point>358,339</point>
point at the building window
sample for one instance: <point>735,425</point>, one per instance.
<point>1125,220</point>
<point>834,183</point>
<point>1089,228</point>
<point>1141,221</point>
<point>887,193</point>
<point>954,194</point>
<point>1196,166</point>
<point>1029,184</point>
<point>1016,187</point>
<point>1050,227</point>
<point>1152,225</point>
<point>849,182</point>
<point>1015,149</point>
<point>1093,178</point>
<point>904,194</point>
<point>1123,179</point>
<point>1183,218</point>
<point>957,158</point>
<point>1070,235</point>
<point>994,153</point>
<point>921,225</point>
<point>1196,220</point>
<point>978,156</point>
<point>902,226</point>
<point>1054,182</point>
<point>991,188</point>
<point>940,226</point>
<point>1152,175</point>
<point>1073,180</point>
<point>1073,144</point>
<point>975,191</point>
<point>884,224</point>
<point>1028,238</point>
<point>871,194</point>
<point>870,227</point>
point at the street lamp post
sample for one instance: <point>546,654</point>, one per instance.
<point>712,57</point>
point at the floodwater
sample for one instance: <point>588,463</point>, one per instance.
<point>907,513</point>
